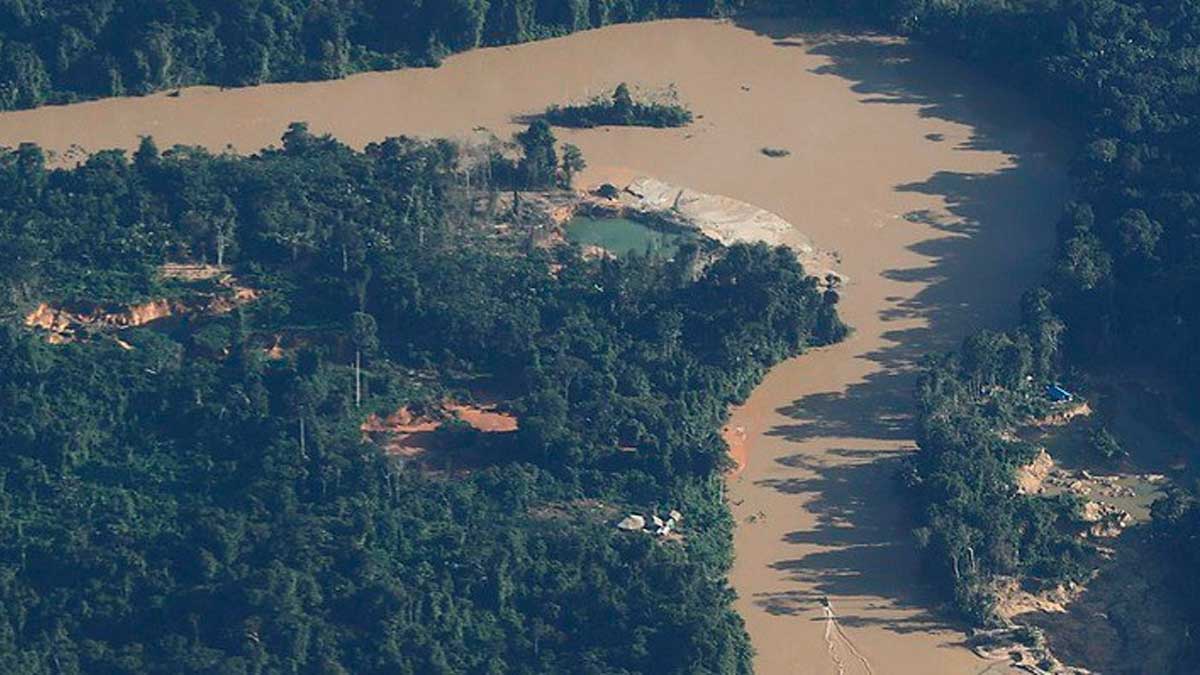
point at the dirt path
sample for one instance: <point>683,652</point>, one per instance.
<point>939,190</point>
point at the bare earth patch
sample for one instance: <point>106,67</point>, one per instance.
<point>401,433</point>
<point>1117,620</point>
<point>485,418</point>
<point>422,439</point>
<point>63,323</point>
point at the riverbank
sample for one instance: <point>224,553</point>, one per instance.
<point>938,189</point>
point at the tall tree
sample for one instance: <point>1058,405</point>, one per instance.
<point>572,162</point>
<point>539,161</point>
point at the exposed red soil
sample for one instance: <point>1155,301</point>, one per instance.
<point>404,434</point>
<point>63,322</point>
<point>484,418</point>
<point>401,433</point>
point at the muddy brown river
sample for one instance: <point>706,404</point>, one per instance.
<point>938,189</point>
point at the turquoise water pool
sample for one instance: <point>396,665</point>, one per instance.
<point>623,236</point>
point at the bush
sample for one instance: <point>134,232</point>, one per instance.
<point>1106,445</point>
<point>608,191</point>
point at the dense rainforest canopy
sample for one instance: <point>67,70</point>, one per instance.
<point>55,50</point>
<point>181,498</point>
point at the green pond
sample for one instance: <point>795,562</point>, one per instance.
<point>622,236</point>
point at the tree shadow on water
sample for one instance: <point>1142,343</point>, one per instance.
<point>858,547</point>
<point>991,240</point>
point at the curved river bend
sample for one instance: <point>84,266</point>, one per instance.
<point>938,189</point>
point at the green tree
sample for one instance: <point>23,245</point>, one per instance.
<point>146,157</point>
<point>364,334</point>
<point>572,162</point>
<point>539,162</point>
<point>1139,235</point>
<point>623,103</point>
<point>1105,444</point>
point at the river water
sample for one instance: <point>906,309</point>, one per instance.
<point>937,188</point>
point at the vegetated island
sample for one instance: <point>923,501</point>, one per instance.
<point>406,450</point>
<point>622,108</point>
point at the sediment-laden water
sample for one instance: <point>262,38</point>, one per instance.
<point>938,189</point>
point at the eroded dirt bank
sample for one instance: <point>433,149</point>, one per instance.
<point>938,189</point>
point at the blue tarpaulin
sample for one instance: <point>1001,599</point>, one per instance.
<point>1058,394</point>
